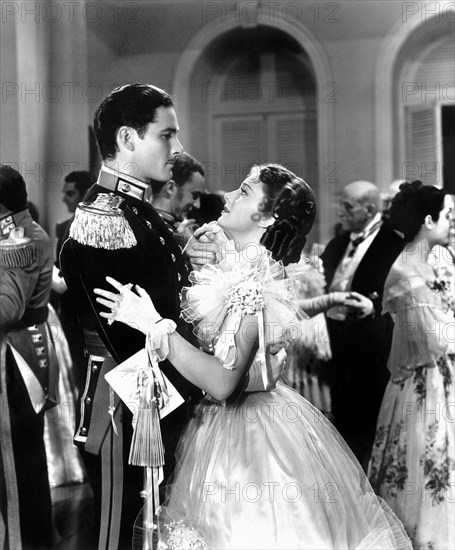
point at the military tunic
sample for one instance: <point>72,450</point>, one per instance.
<point>155,263</point>
<point>172,223</point>
<point>67,312</point>
<point>28,381</point>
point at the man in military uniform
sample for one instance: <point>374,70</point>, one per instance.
<point>117,232</point>
<point>28,369</point>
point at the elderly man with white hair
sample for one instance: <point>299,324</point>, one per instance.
<point>359,260</point>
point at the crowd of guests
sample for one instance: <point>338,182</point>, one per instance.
<point>382,358</point>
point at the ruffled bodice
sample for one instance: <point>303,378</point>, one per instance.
<point>424,320</point>
<point>243,285</point>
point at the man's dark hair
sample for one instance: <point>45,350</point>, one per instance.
<point>13,193</point>
<point>82,180</point>
<point>184,167</point>
<point>132,105</point>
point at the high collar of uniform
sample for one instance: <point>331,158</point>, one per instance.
<point>123,184</point>
<point>11,220</point>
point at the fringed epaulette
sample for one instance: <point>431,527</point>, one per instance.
<point>17,251</point>
<point>102,224</point>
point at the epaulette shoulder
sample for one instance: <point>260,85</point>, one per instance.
<point>102,224</point>
<point>17,251</point>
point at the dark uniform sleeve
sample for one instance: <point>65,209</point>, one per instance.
<point>85,268</point>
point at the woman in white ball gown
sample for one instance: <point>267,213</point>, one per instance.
<point>258,466</point>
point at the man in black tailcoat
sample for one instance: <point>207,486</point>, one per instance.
<point>117,232</point>
<point>360,260</point>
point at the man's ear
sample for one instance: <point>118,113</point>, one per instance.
<point>266,221</point>
<point>125,138</point>
<point>170,189</point>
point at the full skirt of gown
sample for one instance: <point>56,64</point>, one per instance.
<point>269,471</point>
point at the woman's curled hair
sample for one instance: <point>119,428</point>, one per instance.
<point>292,203</point>
<point>412,204</point>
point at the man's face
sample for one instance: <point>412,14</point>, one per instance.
<point>188,195</point>
<point>71,196</point>
<point>353,215</point>
<point>154,154</point>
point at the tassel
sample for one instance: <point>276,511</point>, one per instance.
<point>147,450</point>
<point>147,444</point>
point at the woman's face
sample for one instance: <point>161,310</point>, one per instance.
<point>442,228</point>
<point>241,212</point>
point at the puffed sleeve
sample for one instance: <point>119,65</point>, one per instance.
<point>422,326</point>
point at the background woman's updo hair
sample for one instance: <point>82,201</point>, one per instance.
<point>412,204</point>
<point>292,203</point>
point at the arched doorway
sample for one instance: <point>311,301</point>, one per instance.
<point>261,107</point>
<point>288,64</point>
